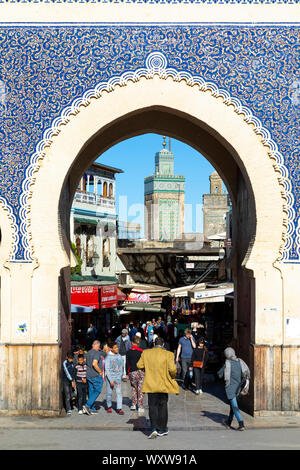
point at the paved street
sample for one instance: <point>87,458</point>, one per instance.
<point>195,422</point>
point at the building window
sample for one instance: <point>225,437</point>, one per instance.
<point>105,189</point>
<point>89,251</point>
<point>78,246</point>
<point>106,252</point>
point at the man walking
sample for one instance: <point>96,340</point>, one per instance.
<point>159,381</point>
<point>94,376</point>
<point>185,349</point>
<point>124,344</point>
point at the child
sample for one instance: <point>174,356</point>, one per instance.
<point>81,382</point>
<point>105,349</point>
<point>80,350</point>
<point>68,380</point>
<point>113,378</point>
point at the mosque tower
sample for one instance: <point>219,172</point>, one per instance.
<point>164,199</point>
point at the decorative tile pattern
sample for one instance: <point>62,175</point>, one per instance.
<point>47,70</point>
<point>162,2</point>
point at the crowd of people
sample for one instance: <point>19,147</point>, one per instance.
<point>151,356</point>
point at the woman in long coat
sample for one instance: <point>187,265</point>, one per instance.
<point>234,371</point>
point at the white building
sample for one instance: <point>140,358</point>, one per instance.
<point>93,221</point>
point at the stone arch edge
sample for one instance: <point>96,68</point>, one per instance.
<point>156,64</point>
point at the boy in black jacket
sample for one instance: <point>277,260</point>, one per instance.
<point>68,380</point>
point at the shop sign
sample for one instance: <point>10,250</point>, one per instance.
<point>136,297</point>
<point>210,293</point>
<point>87,296</point>
<point>109,296</point>
<point>189,265</point>
<point>206,300</point>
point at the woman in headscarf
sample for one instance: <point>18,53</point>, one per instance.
<point>233,371</point>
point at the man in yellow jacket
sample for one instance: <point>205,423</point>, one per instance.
<point>159,381</point>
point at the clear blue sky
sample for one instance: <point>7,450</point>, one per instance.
<point>136,156</point>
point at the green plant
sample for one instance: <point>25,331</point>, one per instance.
<point>77,268</point>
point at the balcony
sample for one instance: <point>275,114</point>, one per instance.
<point>94,199</point>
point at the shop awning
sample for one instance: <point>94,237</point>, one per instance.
<point>81,309</point>
<point>109,296</point>
<point>85,296</point>
<point>121,296</point>
<point>184,291</point>
<point>143,307</point>
<point>204,294</point>
<point>81,220</point>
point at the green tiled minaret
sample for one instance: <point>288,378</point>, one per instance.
<point>164,199</point>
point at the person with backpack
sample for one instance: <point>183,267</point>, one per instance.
<point>234,371</point>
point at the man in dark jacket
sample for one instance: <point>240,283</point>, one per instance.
<point>68,380</point>
<point>136,376</point>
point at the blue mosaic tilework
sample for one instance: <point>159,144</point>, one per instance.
<point>43,69</point>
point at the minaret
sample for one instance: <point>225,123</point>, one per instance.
<point>215,208</point>
<point>164,199</point>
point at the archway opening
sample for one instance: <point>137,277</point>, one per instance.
<point>228,165</point>
<point>218,130</point>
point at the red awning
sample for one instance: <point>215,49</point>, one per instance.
<point>121,296</point>
<point>109,296</point>
<point>87,296</point>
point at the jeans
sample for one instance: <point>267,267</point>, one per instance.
<point>234,410</point>
<point>81,394</point>
<point>185,362</point>
<point>109,390</point>
<point>124,366</point>
<point>198,373</point>
<point>67,392</point>
<point>158,410</point>
<point>95,388</point>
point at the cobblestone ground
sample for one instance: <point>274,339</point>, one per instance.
<point>187,412</point>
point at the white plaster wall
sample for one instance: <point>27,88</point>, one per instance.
<point>145,13</point>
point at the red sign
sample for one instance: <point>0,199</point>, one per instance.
<point>121,296</point>
<point>87,296</point>
<point>109,296</point>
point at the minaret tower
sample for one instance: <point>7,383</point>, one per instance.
<point>164,199</point>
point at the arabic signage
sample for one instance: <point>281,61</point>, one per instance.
<point>87,296</point>
<point>109,296</point>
